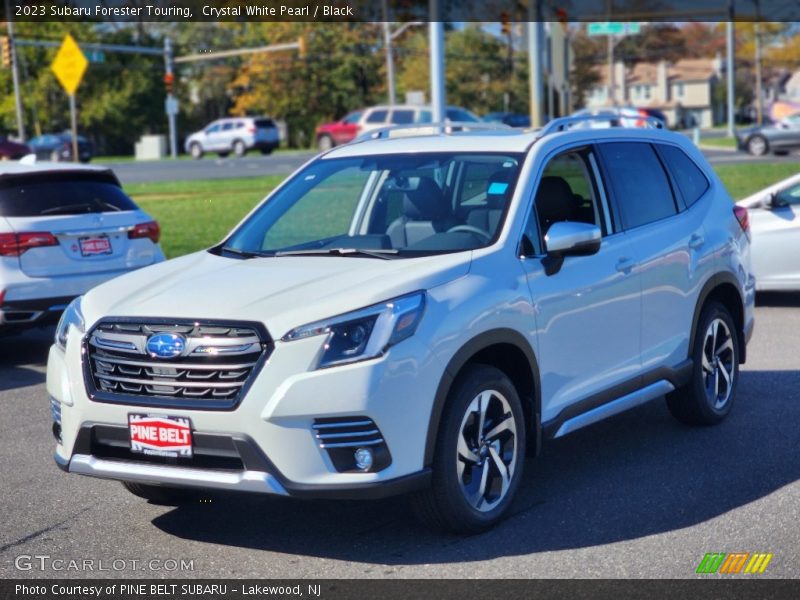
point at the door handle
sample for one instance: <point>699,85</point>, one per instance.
<point>696,241</point>
<point>624,265</point>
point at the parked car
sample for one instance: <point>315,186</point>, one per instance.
<point>63,230</point>
<point>11,150</point>
<point>775,225</point>
<point>416,315</point>
<point>361,121</point>
<point>628,116</point>
<point>779,138</point>
<point>510,119</point>
<point>57,147</point>
<point>238,135</point>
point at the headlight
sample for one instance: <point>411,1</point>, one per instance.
<point>72,316</point>
<point>364,333</point>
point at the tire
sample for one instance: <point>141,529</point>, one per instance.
<point>196,150</point>
<point>55,156</point>
<point>325,143</point>
<point>465,462</point>
<point>708,397</point>
<point>239,148</point>
<point>758,145</point>
<point>157,494</point>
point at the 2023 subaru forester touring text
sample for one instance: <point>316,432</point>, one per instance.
<point>415,315</point>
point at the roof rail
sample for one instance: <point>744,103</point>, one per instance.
<point>443,127</point>
<point>563,123</point>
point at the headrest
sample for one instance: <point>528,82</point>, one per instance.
<point>426,202</point>
<point>555,200</point>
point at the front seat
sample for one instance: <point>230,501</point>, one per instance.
<point>487,217</point>
<point>426,212</point>
<point>555,202</point>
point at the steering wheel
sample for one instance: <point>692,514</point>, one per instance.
<point>470,229</point>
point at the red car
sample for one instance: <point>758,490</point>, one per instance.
<point>339,132</point>
<point>12,150</point>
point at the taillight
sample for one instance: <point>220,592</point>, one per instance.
<point>149,230</point>
<point>251,129</point>
<point>743,217</point>
<point>16,244</point>
<point>2,296</point>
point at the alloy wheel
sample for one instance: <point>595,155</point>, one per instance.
<point>487,450</point>
<point>718,363</point>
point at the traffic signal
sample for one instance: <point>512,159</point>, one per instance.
<point>301,47</point>
<point>5,43</point>
<point>505,23</point>
<point>169,81</point>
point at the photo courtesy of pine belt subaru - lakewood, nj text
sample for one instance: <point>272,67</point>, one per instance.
<point>415,313</point>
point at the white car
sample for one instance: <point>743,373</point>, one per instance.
<point>236,134</point>
<point>775,224</point>
<point>415,315</point>
<point>63,230</point>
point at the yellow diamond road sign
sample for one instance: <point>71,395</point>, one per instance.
<point>69,65</point>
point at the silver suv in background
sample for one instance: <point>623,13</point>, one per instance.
<point>238,135</point>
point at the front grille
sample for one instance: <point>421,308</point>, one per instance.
<point>211,372</point>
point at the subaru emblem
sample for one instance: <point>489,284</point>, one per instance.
<point>165,345</point>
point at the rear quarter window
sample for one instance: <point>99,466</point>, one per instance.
<point>264,123</point>
<point>690,180</point>
<point>51,195</point>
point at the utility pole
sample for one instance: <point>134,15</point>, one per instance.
<point>171,105</point>
<point>15,73</point>
<point>387,42</point>
<point>436,41</point>
<point>759,91</point>
<point>535,52</point>
<point>731,69</point>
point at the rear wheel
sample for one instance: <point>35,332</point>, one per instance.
<point>480,453</point>
<point>196,150</point>
<point>239,148</point>
<point>325,143</point>
<point>157,494</point>
<point>708,397</point>
<point>757,145</point>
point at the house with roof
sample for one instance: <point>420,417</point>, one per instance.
<point>683,90</point>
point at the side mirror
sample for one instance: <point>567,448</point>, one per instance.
<point>566,238</point>
<point>775,201</point>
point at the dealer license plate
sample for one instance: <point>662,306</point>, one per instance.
<point>160,435</point>
<point>92,246</point>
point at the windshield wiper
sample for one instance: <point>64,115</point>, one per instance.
<point>372,252</point>
<point>78,209</point>
<point>244,253</point>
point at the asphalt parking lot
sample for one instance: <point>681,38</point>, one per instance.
<point>636,496</point>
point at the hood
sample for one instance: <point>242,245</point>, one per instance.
<point>281,292</point>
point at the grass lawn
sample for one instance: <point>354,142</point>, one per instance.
<point>197,214</point>
<point>719,142</point>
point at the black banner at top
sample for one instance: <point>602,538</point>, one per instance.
<point>402,10</point>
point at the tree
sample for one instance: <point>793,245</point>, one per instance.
<point>584,75</point>
<point>341,71</point>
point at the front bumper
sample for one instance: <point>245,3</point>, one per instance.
<point>272,430</point>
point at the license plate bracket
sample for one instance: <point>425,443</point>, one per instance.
<point>95,245</point>
<point>160,435</point>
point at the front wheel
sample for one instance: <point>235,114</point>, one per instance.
<point>196,150</point>
<point>757,145</point>
<point>480,453</point>
<point>708,397</point>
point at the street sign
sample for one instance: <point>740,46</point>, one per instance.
<point>171,105</point>
<point>96,56</point>
<point>613,28</point>
<point>69,65</point>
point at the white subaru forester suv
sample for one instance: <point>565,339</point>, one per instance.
<point>415,314</point>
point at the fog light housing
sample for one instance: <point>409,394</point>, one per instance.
<point>364,459</point>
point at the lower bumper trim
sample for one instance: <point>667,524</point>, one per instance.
<point>242,481</point>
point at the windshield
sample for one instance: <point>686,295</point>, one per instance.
<point>397,205</point>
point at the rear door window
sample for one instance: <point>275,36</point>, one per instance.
<point>402,117</point>
<point>63,194</point>
<point>377,116</point>
<point>639,183</point>
<point>690,180</point>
